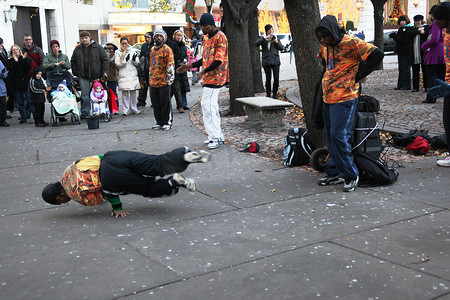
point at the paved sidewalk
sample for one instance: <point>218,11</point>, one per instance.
<point>253,230</point>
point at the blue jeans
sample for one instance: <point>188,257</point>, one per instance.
<point>339,121</point>
<point>24,102</point>
<point>184,100</point>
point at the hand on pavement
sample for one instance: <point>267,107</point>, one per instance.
<point>120,213</point>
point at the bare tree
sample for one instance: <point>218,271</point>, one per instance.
<point>303,18</point>
<point>237,14</point>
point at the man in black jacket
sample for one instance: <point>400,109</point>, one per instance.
<point>144,65</point>
<point>270,59</point>
<point>89,62</point>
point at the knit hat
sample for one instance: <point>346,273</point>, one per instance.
<point>51,191</point>
<point>63,84</point>
<point>442,12</point>
<point>97,84</point>
<point>267,27</point>
<point>418,18</point>
<point>160,32</point>
<point>207,19</point>
<point>54,42</point>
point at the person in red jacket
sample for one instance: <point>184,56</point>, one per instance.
<point>32,51</point>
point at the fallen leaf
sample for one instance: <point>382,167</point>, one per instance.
<point>258,170</point>
<point>422,260</point>
<point>274,190</point>
<point>135,132</point>
<point>223,191</point>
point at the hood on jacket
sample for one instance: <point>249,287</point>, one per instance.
<point>36,70</point>
<point>330,23</point>
<point>114,44</point>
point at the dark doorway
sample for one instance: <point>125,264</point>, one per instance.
<point>27,23</point>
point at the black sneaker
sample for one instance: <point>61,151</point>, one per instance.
<point>330,179</point>
<point>350,185</point>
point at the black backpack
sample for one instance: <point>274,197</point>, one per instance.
<point>298,147</point>
<point>372,171</point>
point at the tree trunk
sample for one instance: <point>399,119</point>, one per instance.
<point>253,34</point>
<point>236,16</point>
<point>303,18</point>
<point>378,18</point>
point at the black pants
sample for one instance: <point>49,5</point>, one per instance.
<point>142,98</point>
<point>276,78</point>
<point>162,109</point>
<point>446,120</point>
<point>39,110</point>
<point>433,72</point>
<point>2,109</point>
<point>128,172</point>
<point>416,76</point>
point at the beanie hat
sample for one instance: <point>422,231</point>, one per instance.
<point>207,19</point>
<point>160,32</point>
<point>97,84</point>
<point>51,191</point>
<point>418,18</point>
<point>442,11</point>
<point>149,34</point>
<point>267,27</point>
<point>54,42</point>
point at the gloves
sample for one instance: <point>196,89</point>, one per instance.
<point>134,56</point>
<point>441,90</point>
<point>128,57</point>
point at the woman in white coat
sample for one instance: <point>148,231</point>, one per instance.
<point>127,59</point>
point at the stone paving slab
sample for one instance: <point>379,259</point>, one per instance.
<point>407,242</point>
<point>102,268</point>
<point>57,225</point>
<point>422,181</point>
<point>214,242</point>
<point>323,271</point>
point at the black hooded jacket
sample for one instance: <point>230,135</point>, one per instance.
<point>36,86</point>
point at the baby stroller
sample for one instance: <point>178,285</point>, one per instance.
<point>107,114</point>
<point>54,79</point>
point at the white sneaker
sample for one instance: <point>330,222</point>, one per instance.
<point>156,126</point>
<point>180,180</point>
<point>136,112</point>
<point>206,142</point>
<point>197,156</point>
<point>213,144</point>
<point>444,162</point>
<point>166,127</point>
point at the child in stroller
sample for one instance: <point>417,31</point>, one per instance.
<point>63,102</point>
<point>99,101</point>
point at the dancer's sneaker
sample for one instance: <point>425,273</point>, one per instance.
<point>156,126</point>
<point>179,180</point>
<point>197,156</point>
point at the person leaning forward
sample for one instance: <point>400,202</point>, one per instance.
<point>90,180</point>
<point>347,60</point>
<point>89,62</point>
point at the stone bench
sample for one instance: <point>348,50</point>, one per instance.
<point>267,111</point>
